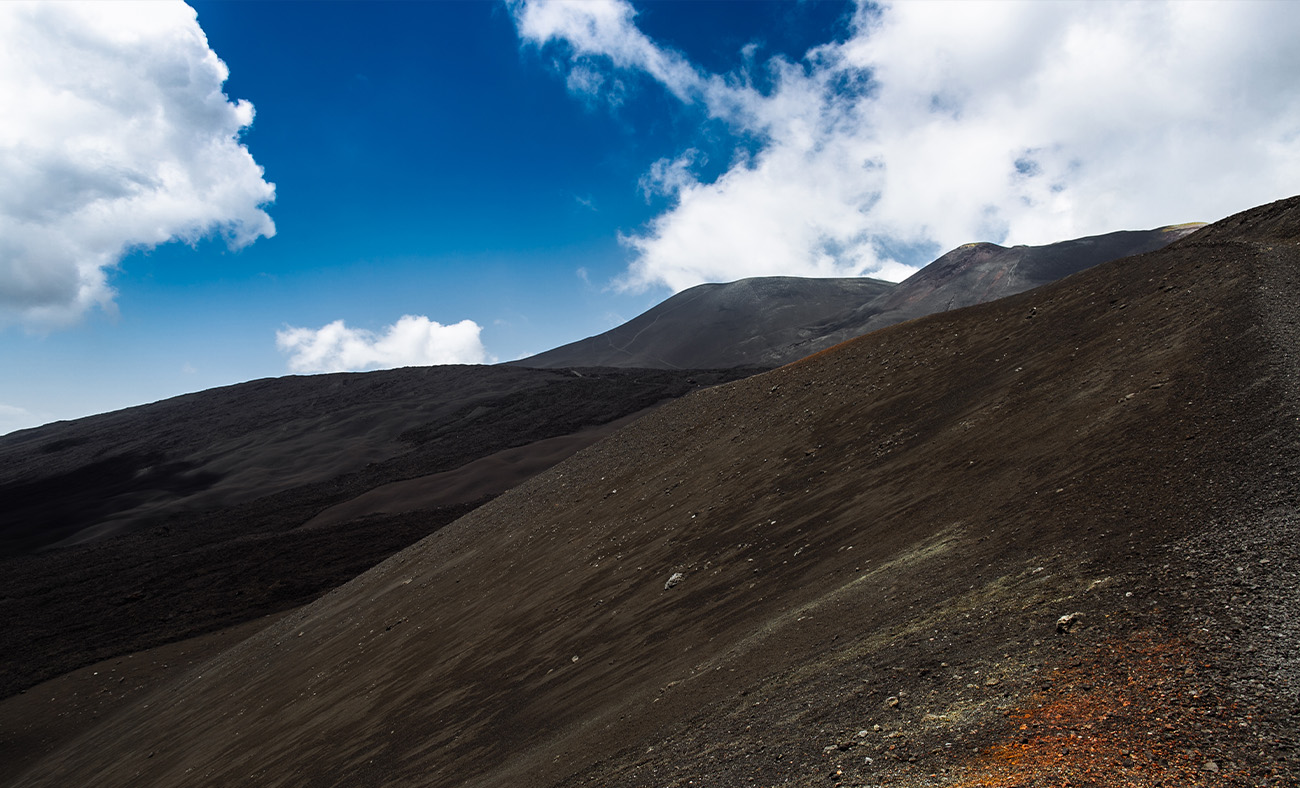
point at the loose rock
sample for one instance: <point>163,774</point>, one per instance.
<point>1068,622</point>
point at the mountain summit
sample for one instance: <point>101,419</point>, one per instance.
<point>770,321</point>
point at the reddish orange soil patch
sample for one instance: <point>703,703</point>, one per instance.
<point>1136,712</point>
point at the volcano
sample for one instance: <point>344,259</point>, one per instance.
<point>1046,540</point>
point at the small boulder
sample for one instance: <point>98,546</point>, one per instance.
<point>674,579</point>
<point>1068,622</point>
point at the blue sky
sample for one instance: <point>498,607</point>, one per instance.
<point>475,181</point>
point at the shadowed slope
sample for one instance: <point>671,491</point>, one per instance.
<point>81,480</point>
<point>884,534</point>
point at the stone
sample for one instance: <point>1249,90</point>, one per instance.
<point>1068,622</point>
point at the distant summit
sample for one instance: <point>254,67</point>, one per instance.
<point>770,321</point>
<point>751,322</point>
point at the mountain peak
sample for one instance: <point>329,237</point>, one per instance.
<point>770,321</point>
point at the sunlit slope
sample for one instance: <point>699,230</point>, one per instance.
<point>884,533</point>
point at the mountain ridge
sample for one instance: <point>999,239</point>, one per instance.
<point>770,321</point>
<point>713,322</point>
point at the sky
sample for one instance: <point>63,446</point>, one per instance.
<point>198,195</point>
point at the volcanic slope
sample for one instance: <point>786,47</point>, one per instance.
<point>849,570</point>
<point>750,322</point>
<point>769,321</point>
<point>979,272</point>
<point>130,529</point>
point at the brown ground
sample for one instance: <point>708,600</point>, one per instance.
<point>876,544</point>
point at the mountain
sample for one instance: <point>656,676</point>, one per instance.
<point>135,528</point>
<point>979,272</point>
<point>750,322</point>
<point>769,321</point>
<point>1045,540</point>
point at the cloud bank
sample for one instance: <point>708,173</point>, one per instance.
<point>934,124</point>
<point>412,341</point>
<point>115,136</point>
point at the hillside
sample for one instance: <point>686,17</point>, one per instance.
<point>980,272</point>
<point>1048,540</point>
<point>770,321</point>
<point>750,322</point>
<point>139,527</point>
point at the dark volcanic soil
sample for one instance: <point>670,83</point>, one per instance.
<point>846,571</point>
<point>187,516</point>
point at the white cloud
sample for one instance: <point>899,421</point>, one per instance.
<point>939,123</point>
<point>414,340</point>
<point>603,30</point>
<point>115,136</point>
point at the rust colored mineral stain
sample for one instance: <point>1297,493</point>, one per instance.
<point>1132,713</point>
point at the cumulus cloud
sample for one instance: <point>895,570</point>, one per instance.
<point>414,340</point>
<point>934,124</point>
<point>116,136</point>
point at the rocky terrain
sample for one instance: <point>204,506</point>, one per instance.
<point>1047,540</point>
<point>770,321</point>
